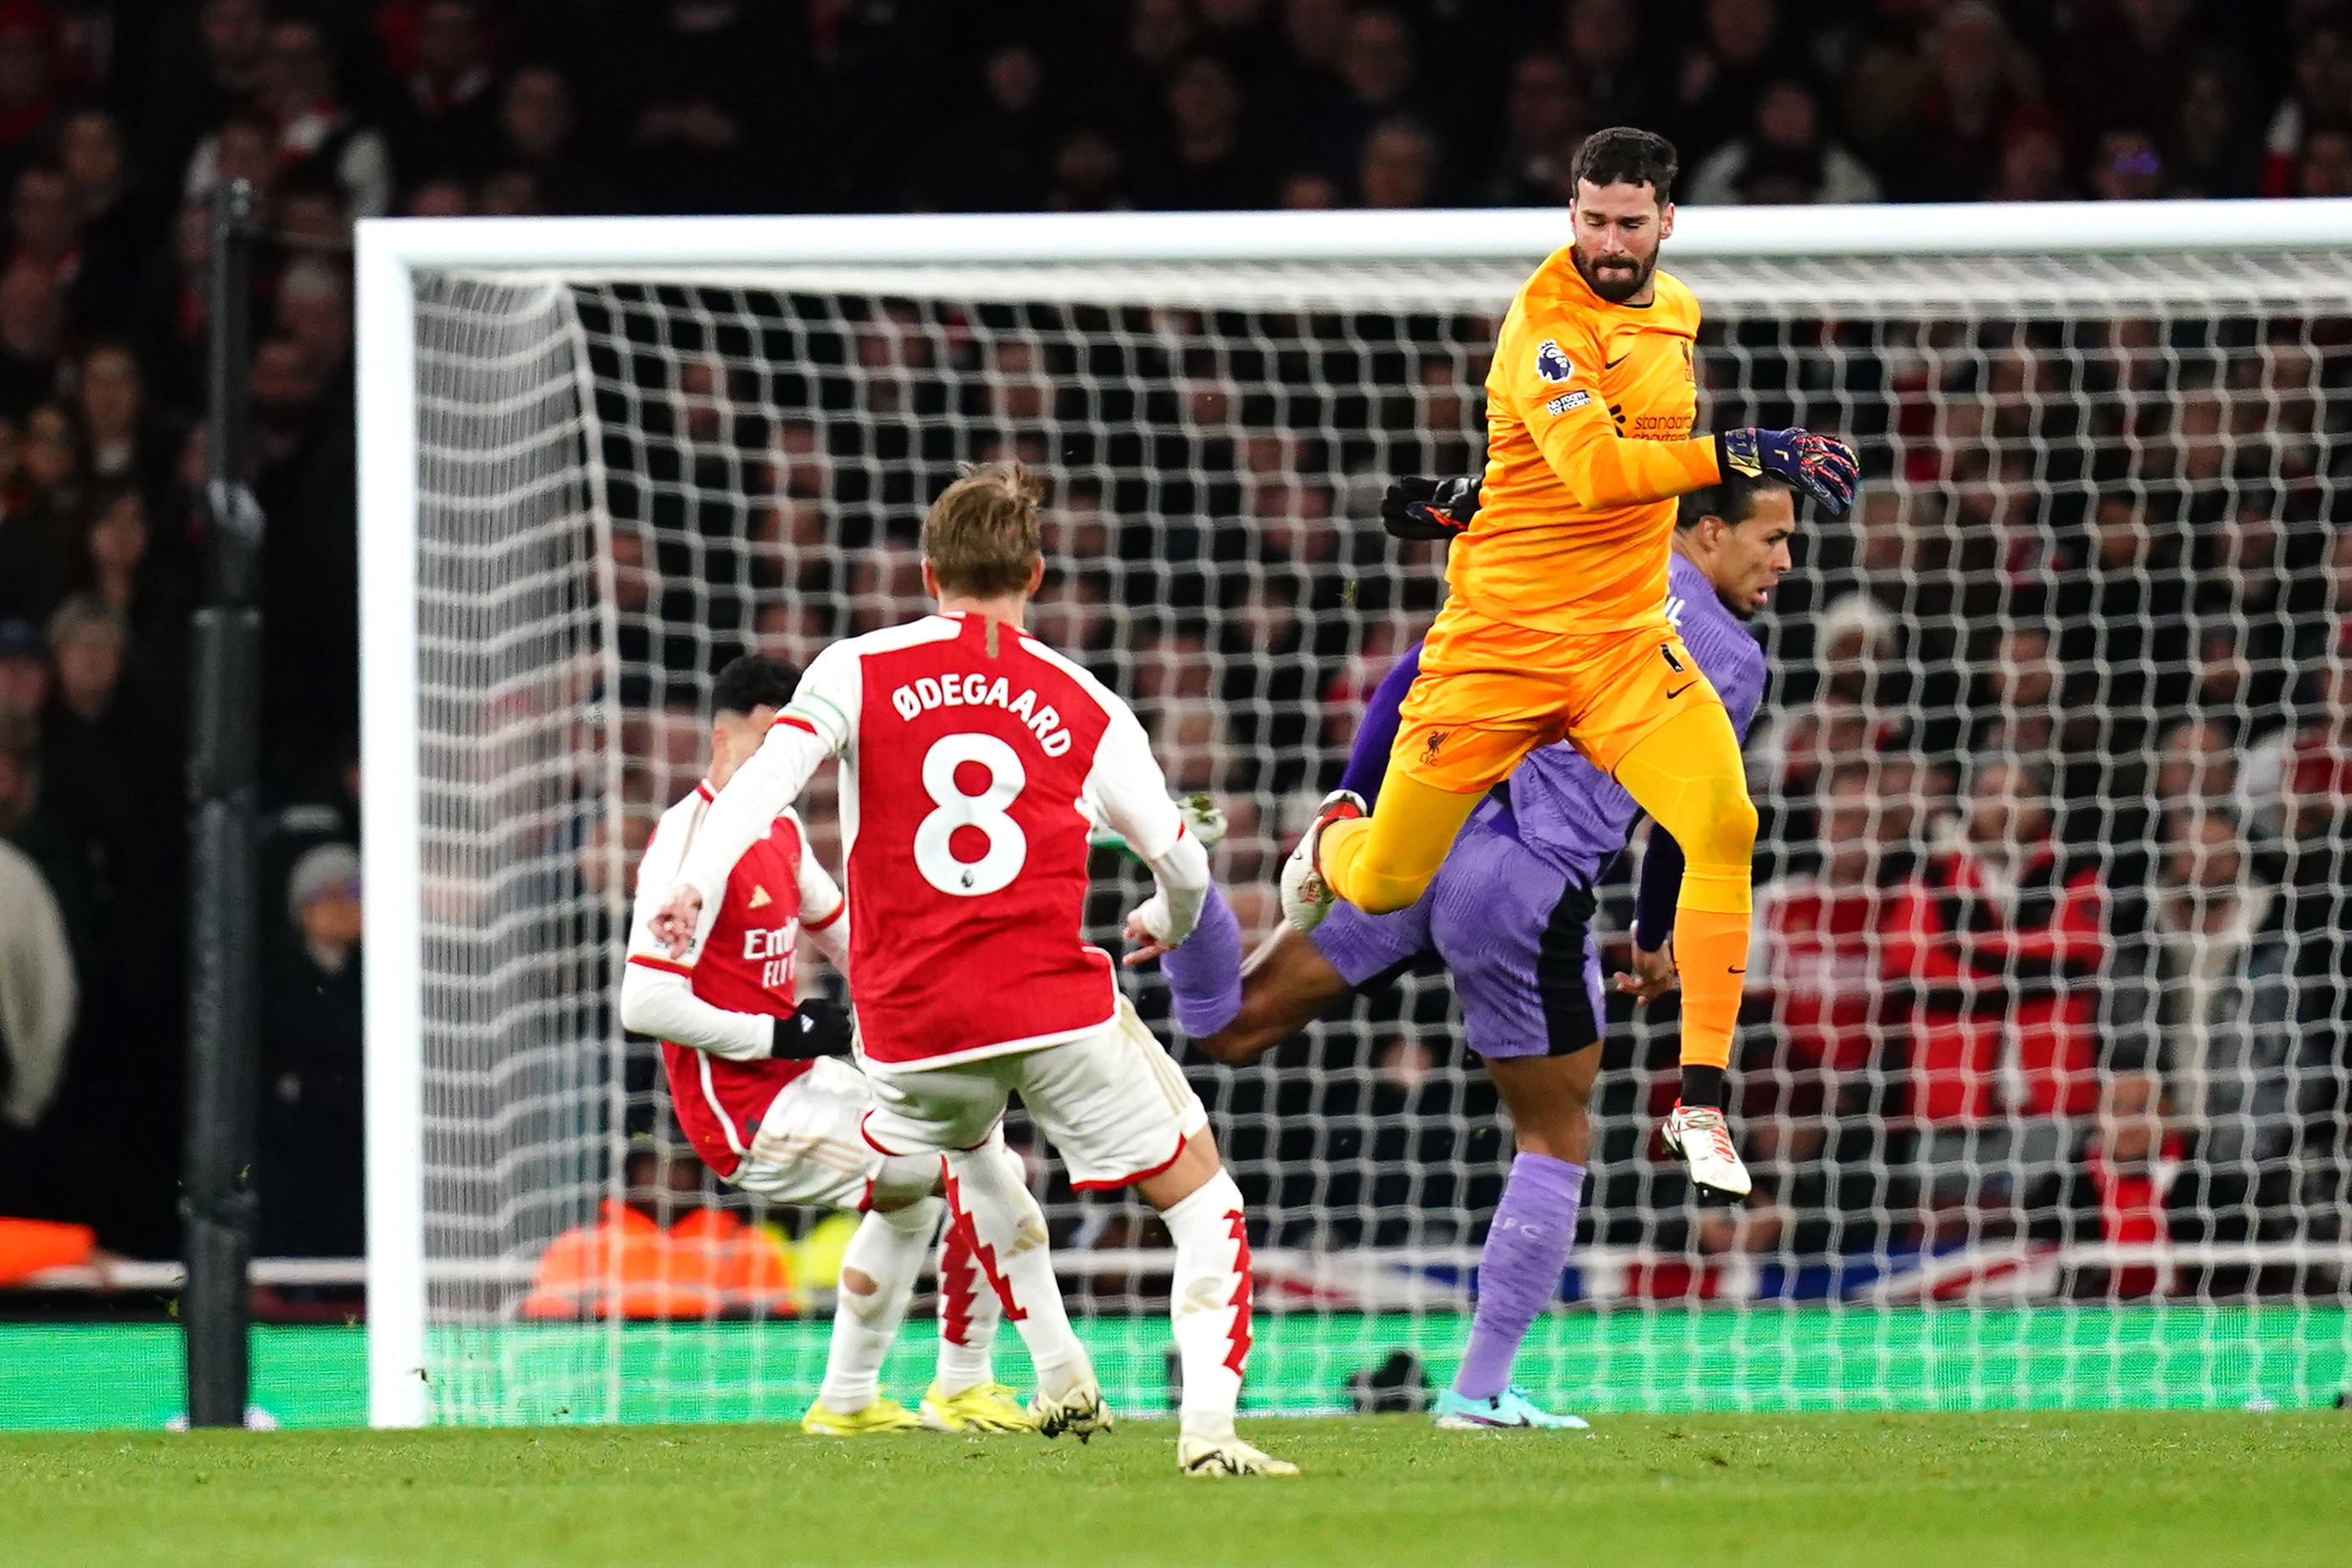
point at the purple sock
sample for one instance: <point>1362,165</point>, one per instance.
<point>1205,972</point>
<point>1519,1268</point>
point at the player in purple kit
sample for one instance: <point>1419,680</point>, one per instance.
<point>1508,912</point>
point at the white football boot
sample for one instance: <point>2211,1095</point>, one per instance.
<point>1703,1140</point>
<point>1305,897</point>
<point>1080,1412</point>
<point>1227,1457</point>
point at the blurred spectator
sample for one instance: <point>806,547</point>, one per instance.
<point>315,129</point>
<point>1209,164</point>
<point>2324,168</point>
<point>1603,40</point>
<point>1988,941</point>
<point>111,791</point>
<point>1739,50</point>
<point>174,314</point>
<point>2128,1184</point>
<point>1542,119</point>
<point>2126,167</point>
<point>2213,148</point>
<point>314,310</point>
<point>1783,159</point>
<point>538,120</point>
<point>114,218</point>
<point>1377,70</point>
<point>118,568</point>
<point>2130,58</point>
<point>2033,163</point>
<point>2122,607</point>
<point>127,444</point>
<point>1814,959</point>
<point>24,683</point>
<point>207,62</point>
<point>997,159</point>
<point>1090,173</point>
<point>439,112</point>
<point>29,97</point>
<point>447,198</point>
<point>32,327</point>
<point>700,93</point>
<point>313,1131</point>
<point>1309,190</point>
<point>2210,974</point>
<point>1400,166</point>
<point>2319,98</point>
<point>1978,76</point>
<point>2306,773</point>
<point>39,538</point>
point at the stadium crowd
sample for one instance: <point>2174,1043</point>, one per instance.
<point>2163,670</point>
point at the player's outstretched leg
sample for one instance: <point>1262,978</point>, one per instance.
<point>1006,1231</point>
<point>878,1273</point>
<point>1527,1243</point>
<point>965,1395</point>
<point>1687,775</point>
<point>1210,1307</point>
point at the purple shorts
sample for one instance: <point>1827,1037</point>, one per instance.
<point>1511,927</point>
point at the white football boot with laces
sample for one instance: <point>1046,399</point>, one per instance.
<point>1080,1412</point>
<point>1305,896</point>
<point>1227,1457</point>
<point>1700,1136</point>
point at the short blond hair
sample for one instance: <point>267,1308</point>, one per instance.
<point>981,537</point>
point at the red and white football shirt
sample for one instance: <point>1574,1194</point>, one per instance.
<point>974,762</point>
<point>745,968</point>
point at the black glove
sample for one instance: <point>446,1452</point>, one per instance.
<point>817,1027</point>
<point>1417,508</point>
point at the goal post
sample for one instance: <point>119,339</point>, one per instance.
<point>561,528</point>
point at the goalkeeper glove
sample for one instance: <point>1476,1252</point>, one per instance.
<point>1821,466</point>
<point>817,1027</point>
<point>1417,508</point>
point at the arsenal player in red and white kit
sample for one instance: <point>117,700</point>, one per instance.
<point>975,761</point>
<point>761,1089</point>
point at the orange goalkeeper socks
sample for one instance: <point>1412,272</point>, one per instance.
<point>1711,955</point>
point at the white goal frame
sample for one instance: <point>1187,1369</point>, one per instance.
<point>392,252</point>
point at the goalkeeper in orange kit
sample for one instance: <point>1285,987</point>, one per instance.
<point>1557,627</point>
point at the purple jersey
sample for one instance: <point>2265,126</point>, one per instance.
<point>1562,807</point>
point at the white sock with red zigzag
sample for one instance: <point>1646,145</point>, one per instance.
<point>969,1313</point>
<point>1007,1236</point>
<point>1211,1307</point>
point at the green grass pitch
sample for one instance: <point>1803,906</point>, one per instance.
<point>1913,1491</point>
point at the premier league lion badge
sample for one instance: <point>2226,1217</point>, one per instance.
<point>1550,363</point>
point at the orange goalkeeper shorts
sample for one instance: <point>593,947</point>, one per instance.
<point>1490,692</point>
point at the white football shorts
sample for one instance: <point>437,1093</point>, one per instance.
<point>809,1150</point>
<point>1113,1104</point>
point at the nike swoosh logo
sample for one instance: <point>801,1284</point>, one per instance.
<point>1729,969</point>
<point>1678,691</point>
<point>1621,359</point>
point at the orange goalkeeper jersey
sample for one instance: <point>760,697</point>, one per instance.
<point>1588,411</point>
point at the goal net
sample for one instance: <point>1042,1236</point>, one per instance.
<point>2045,1069</point>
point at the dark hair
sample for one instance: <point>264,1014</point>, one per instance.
<point>1625,155</point>
<point>753,681</point>
<point>1733,498</point>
